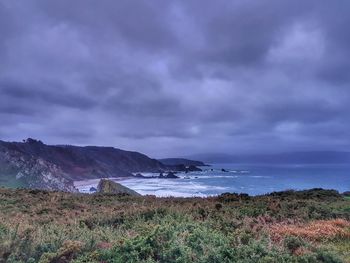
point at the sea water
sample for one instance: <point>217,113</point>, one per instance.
<point>253,179</point>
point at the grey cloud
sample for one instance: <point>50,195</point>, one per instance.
<point>176,77</point>
<point>143,24</point>
<point>42,94</point>
<point>306,112</point>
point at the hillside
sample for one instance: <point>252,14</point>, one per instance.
<point>34,164</point>
<point>308,226</point>
<point>181,161</point>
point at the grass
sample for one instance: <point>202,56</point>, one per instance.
<point>306,226</point>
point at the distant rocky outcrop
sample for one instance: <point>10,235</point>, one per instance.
<point>181,161</point>
<point>193,168</point>
<point>169,175</point>
<point>109,187</point>
<point>182,165</point>
<point>183,168</point>
<point>162,175</point>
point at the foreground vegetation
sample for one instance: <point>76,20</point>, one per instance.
<point>307,226</point>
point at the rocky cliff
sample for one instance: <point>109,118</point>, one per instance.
<point>33,164</point>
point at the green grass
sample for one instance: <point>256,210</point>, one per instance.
<point>40,226</point>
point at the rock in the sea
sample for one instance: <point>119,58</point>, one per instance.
<point>93,189</point>
<point>193,168</point>
<point>184,168</point>
<point>171,175</point>
<point>109,187</point>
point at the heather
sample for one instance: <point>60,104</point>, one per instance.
<point>289,226</point>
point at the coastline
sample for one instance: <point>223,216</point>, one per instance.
<point>250,179</point>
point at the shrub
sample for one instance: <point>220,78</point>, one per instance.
<point>316,230</point>
<point>327,257</point>
<point>66,253</point>
<point>173,242</point>
<point>229,228</point>
<point>293,243</point>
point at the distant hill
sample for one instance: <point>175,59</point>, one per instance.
<point>181,161</point>
<point>34,164</point>
<point>311,157</point>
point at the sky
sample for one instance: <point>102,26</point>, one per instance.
<point>175,78</point>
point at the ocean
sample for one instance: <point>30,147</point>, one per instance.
<point>253,179</point>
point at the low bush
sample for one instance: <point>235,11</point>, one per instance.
<point>306,227</point>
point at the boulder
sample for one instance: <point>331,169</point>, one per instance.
<point>171,175</point>
<point>193,168</point>
<point>109,187</point>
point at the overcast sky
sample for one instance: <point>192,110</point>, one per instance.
<point>173,78</point>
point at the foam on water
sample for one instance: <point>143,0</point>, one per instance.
<point>154,186</point>
<point>251,179</point>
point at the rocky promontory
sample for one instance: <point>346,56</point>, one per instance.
<point>110,187</point>
<point>34,164</point>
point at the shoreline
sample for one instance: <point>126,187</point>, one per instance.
<point>173,194</point>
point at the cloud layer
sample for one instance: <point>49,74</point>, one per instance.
<point>173,78</point>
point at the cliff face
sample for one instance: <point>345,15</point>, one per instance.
<point>33,172</point>
<point>36,165</point>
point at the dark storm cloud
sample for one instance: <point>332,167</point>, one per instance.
<point>177,77</point>
<point>52,94</point>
